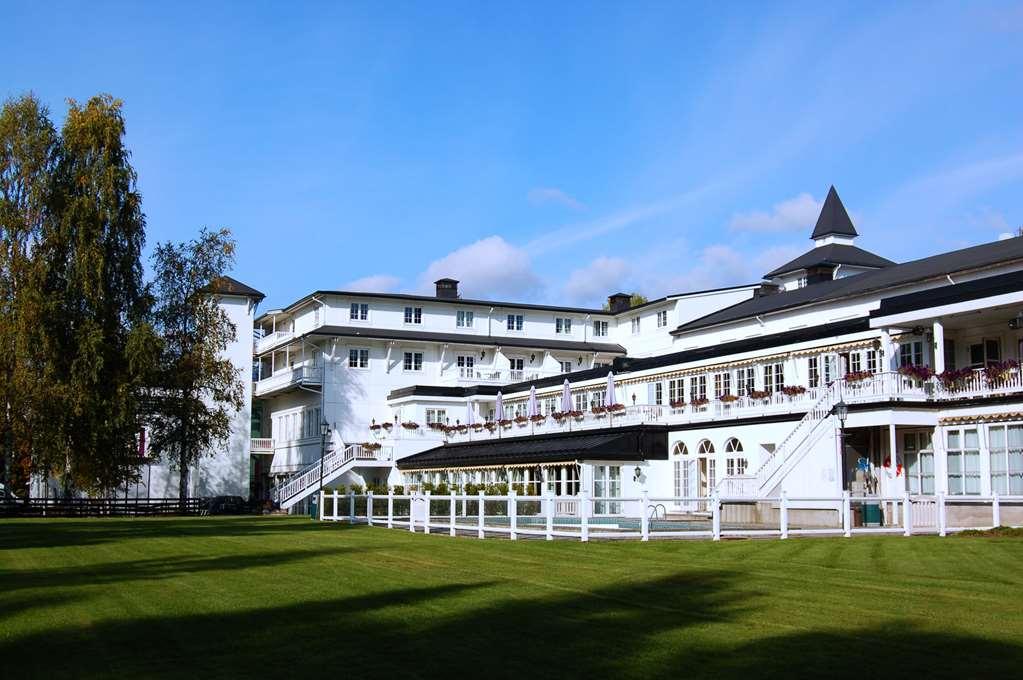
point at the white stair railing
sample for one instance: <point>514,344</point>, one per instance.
<point>800,434</point>
<point>309,476</point>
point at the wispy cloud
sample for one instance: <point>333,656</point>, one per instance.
<point>594,282</point>
<point>548,195</point>
<point>795,213</point>
<point>376,283</point>
<point>490,267</point>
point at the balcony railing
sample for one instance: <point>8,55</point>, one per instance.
<point>272,339</point>
<point>289,377</point>
<point>261,445</point>
<point>475,375</point>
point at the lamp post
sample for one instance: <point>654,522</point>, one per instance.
<point>841,411</point>
<point>324,431</point>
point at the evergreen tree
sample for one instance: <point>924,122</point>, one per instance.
<point>97,344</point>
<point>198,389</point>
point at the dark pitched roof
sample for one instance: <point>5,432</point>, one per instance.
<point>833,218</point>
<point>832,254</point>
<point>226,285</point>
<point>467,339</point>
<point>946,295</point>
<point>635,443</point>
<point>936,266</point>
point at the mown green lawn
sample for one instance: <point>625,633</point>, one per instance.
<point>285,597</point>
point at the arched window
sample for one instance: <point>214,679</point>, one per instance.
<point>681,468</point>
<point>705,447</point>
<point>735,465</point>
<point>733,445</point>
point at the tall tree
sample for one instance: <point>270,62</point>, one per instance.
<point>198,390</point>
<point>29,150</point>
<point>94,329</point>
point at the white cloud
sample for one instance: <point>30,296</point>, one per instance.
<point>490,267</point>
<point>544,195</point>
<point>718,266</point>
<point>795,213</point>
<point>376,283</point>
<point>594,282</point>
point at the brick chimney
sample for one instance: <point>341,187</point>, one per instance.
<point>619,302</point>
<point>447,288</point>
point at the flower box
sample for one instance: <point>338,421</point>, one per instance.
<point>521,420</point>
<point>999,372</point>
<point>374,427</point>
<point>371,446</point>
<point>760,394</point>
<point>699,402</point>
<point>477,427</point>
<point>793,390</point>
<point>679,404</point>
<point>409,425</point>
<point>728,398</point>
<point>598,410</point>
<point>504,422</point>
<point>954,378</point>
<point>858,376</point>
<point>916,372</point>
<point>538,418</point>
<point>616,408</point>
<point>387,426</point>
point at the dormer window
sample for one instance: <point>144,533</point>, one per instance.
<point>414,315</point>
<point>563,326</point>
<point>662,318</point>
<point>358,311</point>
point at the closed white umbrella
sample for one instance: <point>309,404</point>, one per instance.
<point>470,416</point>
<point>609,398</point>
<point>566,397</point>
<point>532,408</point>
<point>499,407</point>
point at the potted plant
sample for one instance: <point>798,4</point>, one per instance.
<point>616,409</point>
<point>410,425</point>
<point>538,418</point>
<point>915,372</point>
<point>504,422</point>
<point>521,420</point>
<point>728,398</point>
<point>998,373</point>
<point>699,402</point>
<point>793,390</point>
<point>854,377</point>
<point>677,404</point>
<point>388,426</point>
<point>953,379</point>
<point>490,426</point>
<point>597,409</point>
<point>760,394</point>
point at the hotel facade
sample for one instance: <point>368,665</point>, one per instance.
<point>841,372</point>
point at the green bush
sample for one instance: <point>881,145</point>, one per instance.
<point>441,490</point>
<point>426,486</point>
<point>357,489</point>
<point>398,490</point>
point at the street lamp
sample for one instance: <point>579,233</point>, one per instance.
<point>324,431</point>
<point>841,411</point>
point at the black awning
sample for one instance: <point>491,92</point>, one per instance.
<point>639,442</point>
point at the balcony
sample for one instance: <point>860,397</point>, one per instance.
<point>271,340</point>
<point>261,445</point>
<point>491,376</point>
<point>289,378</point>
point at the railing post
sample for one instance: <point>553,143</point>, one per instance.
<point>715,509</point>
<point>513,514</point>
<point>426,513</point>
<point>351,507</point>
<point>323,498</point>
<point>479,511</point>
<point>996,511</point>
<point>644,518</point>
<point>454,506</point>
<point>584,516</point>
<point>412,497</point>
<point>940,501</point>
<point>369,508</point>
<point>390,507</point>
<point>907,515</point>
<point>549,516</point>
<point>333,510</point>
<point>784,512</point>
<point>846,515</point>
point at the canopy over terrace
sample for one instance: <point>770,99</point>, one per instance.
<point>556,459</point>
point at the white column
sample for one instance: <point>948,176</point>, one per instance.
<point>479,526</point>
<point>323,498</point>
<point>784,512</point>
<point>426,513</point>
<point>891,358</point>
<point>644,519</point>
<point>715,508</point>
<point>390,508</point>
<point>513,514</point>
<point>584,515</point>
<point>939,347</point>
<point>369,508</point>
<point>893,448</point>
<point>996,511</point>
<point>454,505</point>
<point>907,515</point>
<point>846,515</point>
<point>549,513</point>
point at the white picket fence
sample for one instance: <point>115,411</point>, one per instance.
<point>514,516</point>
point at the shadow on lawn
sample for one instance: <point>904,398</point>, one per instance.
<point>16,534</point>
<point>676,626</point>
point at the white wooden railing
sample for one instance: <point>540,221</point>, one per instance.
<point>306,375</point>
<point>261,445</point>
<point>334,463</point>
<point>271,339</point>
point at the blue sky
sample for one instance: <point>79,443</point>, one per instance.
<point>540,152</point>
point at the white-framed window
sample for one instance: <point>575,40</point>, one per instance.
<point>985,353</point>
<point>918,459</point>
<point>597,398</point>
<point>413,361</point>
<point>676,390</point>
<point>871,360</point>
<point>962,447</point>
<point>774,376</point>
<point>1006,446</point>
<point>745,380</point>
<point>436,415</point>
<point>659,393</point>
<point>682,479</point>
<point>662,318</point>
<point>607,482</point>
<point>855,362</point>
<point>722,384</point>
<point>466,365</point>
<point>635,325</point>
<point>514,322</point>
<point>464,318</point>
<point>600,329</point>
<point>697,387</point>
<point>735,465</point>
<point>358,311</point>
<point>911,353</point>
<point>563,325</point>
<point>358,357</point>
<point>549,405</point>
<point>580,401</point>
<point>414,315</point>
<point>516,364</point>
<point>566,366</point>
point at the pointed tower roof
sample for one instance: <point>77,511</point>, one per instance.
<point>833,218</point>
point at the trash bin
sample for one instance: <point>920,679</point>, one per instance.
<point>313,514</point>
<point>871,514</point>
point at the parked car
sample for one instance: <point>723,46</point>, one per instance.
<point>227,505</point>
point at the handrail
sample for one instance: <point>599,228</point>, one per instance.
<point>817,413</point>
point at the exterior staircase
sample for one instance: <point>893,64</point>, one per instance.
<point>307,481</point>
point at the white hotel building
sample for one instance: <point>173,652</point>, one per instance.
<point>730,391</point>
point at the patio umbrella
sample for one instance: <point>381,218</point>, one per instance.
<point>532,408</point>
<point>566,397</point>
<point>499,407</point>
<point>470,416</point>
<point>609,398</point>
